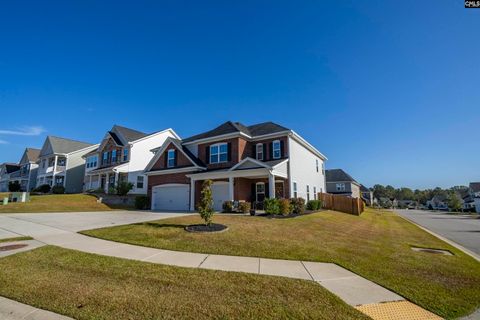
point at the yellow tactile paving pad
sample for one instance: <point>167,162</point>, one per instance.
<point>397,310</point>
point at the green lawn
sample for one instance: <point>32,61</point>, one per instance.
<point>57,203</point>
<point>375,245</point>
<point>15,239</point>
<point>88,286</point>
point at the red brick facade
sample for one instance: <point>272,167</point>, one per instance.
<point>182,160</point>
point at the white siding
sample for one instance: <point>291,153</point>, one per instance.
<point>303,170</point>
<point>140,156</point>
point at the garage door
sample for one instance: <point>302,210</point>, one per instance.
<point>171,197</point>
<point>219,194</point>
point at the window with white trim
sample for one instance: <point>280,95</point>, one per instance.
<point>340,186</point>
<point>114,155</point>
<point>315,193</point>
<point>276,152</point>
<point>323,168</point>
<point>316,164</point>
<point>171,158</point>
<point>295,194</point>
<point>92,161</point>
<point>139,182</point>
<point>105,158</point>
<point>219,153</point>
<point>259,150</point>
<point>308,192</point>
<point>125,154</point>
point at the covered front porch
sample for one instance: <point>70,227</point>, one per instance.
<point>105,179</point>
<point>250,180</point>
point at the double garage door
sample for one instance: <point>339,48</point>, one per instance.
<point>176,197</point>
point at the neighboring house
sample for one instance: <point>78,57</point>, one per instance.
<point>245,163</point>
<point>61,164</point>
<point>367,195</point>
<point>407,204</point>
<point>340,182</point>
<point>6,170</point>
<point>27,175</point>
<point>474,188</point>
<point>122,156</point>
<point>438,202</point>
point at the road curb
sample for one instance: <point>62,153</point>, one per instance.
<point>450,242</point>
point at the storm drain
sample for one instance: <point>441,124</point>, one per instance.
<point>13,247</point>
<point>434,251</point>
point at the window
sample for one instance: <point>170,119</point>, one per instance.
<point>323,168</point>
<point>61,162</point>
<point>259,151</point>
<point>125,154</point>
<point>139,182</point>
<point>51,162</point>
<point>295,190</point>
<point>276,152</point>
<point>171,158</point>
<point>105,158</point>
<point>315,193</point>
<point>92,161</point>
<point>218,153</point>
<point>308,192</point>
<point>260,191</point>
<point>43,163</point>
<point>114,155</point>
<point>340,186</point>
<point>316,163</point>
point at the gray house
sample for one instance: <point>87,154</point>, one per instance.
<point>61,163</point>
<point>367,195</point>
<point>6,170</point>
<point>27,175</point>
<point>340,182</point>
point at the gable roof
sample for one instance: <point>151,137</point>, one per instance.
<point>62,145</point>
<point>333,175</point>
<point>127,133</point>
<point>30,155</point>
<point>364,189</point>
<point>237,127</point>
<point>475,186</point>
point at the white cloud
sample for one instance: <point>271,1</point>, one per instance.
<point>24,131</point>
<point>3,142</point>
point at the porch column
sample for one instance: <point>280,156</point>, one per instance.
<point>116,178</point>
<point>230,189</point>
<point>107,178</point>
<point>90,182</point>
<point>192,194</point>
<point>271,186</point>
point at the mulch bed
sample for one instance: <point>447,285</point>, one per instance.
<point>280,216</point>
<point>213,227</point>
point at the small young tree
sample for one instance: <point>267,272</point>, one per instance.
<point>205,208</point>
<point>123,188</point>
<point>454,202</point>
<point>14,186</point>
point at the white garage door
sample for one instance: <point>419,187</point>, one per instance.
<point>171,197</point>
<point>219,194</point>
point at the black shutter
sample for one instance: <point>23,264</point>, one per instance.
<point>254,193</point>
<point>267,190</point>
<point>207,154</point>
<point>270,151</point>
<point>175,159</point>
<point>229,152</point>
<point>254,151</point>
<point>264,152</point>
<point>282,149</point>
<point>165,156</point>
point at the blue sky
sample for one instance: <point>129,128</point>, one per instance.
<point>388,90</point>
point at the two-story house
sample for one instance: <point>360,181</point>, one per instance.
<point>60,163</point>
<point>340,182</point>
<point>122,156</point>
<point>474,189</point>
<point>6,170</point>
<point>245,163</point>
<point>27,175</point>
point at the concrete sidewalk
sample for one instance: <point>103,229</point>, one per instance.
<point>13,310</point>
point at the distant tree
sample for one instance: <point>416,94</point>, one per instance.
<point>379,191</point>
<point>454,202</point>
<point>205,208</point>
<point>390,191</point>
<point>404,194</point>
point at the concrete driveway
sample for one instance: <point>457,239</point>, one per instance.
<point>461,229</point>
<point>41,224</point>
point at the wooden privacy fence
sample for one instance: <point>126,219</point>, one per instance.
<point>342,203</point>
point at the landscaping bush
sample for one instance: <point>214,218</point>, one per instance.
<point>314,205</point>
<point>123,188</point>
<point>271,206</point>
<point>227,206</point>
<point>58,189</point>
<point>205,208</point>
<point>14,186</point>
<point>44,188</point>
<point>142,202</point>
<point>284,207</point>
<point>244,207</point>
<point>298,205</point>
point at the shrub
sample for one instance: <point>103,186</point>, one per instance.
<point>244,207</point>
<point>58,189</point>
<point>284,207</point>
<point>227,206</point>
<point>14,186</point>
<point>314,205</point>
<point>44,188</point>
<point>123,188</point>
<point>205,208</point>
<point>142,202</point>
<point>298,205</point>
<point>271,206</point>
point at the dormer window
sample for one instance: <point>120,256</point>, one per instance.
<point>219,153</point>
<point>171,158</point>
<point>259,151</point>
<point>276,149</point>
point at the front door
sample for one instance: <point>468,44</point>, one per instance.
<point>102,182</point>
<point>260,191</point>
